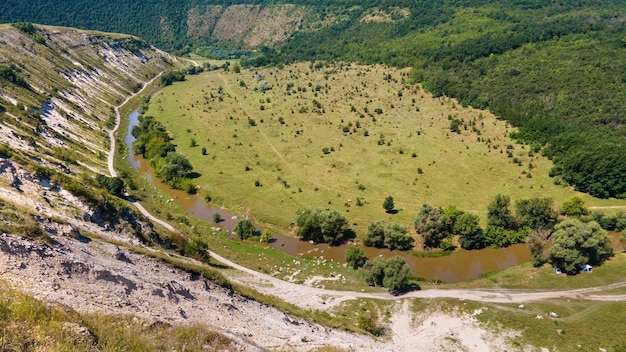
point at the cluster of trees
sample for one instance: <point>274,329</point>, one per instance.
<point>321,226</point>
<point>575,243</point>
<point>170,77</point>
<point>154,143</point>
<point>392,236</point>
<point>393,273</point>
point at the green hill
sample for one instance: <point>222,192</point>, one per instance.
<point>553,69</point>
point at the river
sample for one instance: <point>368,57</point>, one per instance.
<point>458,266</point>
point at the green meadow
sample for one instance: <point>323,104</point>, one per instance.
<point>345,137</point>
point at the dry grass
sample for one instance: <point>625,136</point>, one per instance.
<point>287,159</point>
<point>28,324</point>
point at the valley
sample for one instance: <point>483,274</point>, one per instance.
<point>97,254</point>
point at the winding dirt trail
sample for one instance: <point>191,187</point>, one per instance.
<point>317,298</point>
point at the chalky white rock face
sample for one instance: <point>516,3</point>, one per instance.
<point>74,79</point>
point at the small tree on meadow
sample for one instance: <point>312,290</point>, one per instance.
<point>388,204</point>
<point>216,217</point>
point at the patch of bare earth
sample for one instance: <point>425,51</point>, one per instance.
<point>201,20</point>
<point>276,24</point>
<point>236,21</point>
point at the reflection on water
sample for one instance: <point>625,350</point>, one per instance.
<point>459,266</point>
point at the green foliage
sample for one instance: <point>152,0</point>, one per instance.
<point>392,236</point>
<point>375,235</point>
<point>622,238</point>
<point>152,140</point>
<point>535,241</point>
<point>6,150</point>
<point>455,125</point>
<point>430,224</point>
<point>536,213</point>
<point>499,214</point>
<point>9,74</point>
<point>467,226</point>
<point>216,217</point>
<point>574,206</point>
<point>25,27</point>
<point>575,243</point>
<point>113,185</point>
<point>245,229</point>
<point>266,236</point>
<point>170,77</point>
<point>495,236</point>
<point>174,166</point>
<point>355,257</point>
<point>396,237</point>
<point>388,204</point>
<point>368,321</point>
<point>393,273</point>
<point>321,226</point>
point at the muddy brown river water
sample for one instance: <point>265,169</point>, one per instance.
<point>458,266</point>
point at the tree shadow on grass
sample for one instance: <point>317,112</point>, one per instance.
<point>193,175</point>
<point>393,211</point>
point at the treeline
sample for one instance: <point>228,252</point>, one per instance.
<point>444,227</point>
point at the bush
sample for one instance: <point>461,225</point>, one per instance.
<point>245,229</point>
<point>355,257</point>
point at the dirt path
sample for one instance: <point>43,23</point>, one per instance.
<point>317,298</point>
<point>118,119</point>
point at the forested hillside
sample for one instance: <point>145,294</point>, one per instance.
<point>553,68</point>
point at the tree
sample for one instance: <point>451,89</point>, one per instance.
<point>245,229</point>
<point>397,274</point>
<point>322,226</point>
<point>388,204</point>
<point>429,223</point>
<point>355,257</point>
<point>535,242</point>
<point>467,226</point>
<point>449,217</point>
<point>576,243</point>
<point>374,271</point>
<point>392,236</point>
<point>266,236</point>
<point>375,235</point>
<point>575,207</point>
<point>113,185</point>
<point>216,217</point>
<point>392,273</point>
<point>174,166</point>
<point>499,213</point>
<point>396,237</point>
<point>537,213</point>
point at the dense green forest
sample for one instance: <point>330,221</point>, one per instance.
<point>555,68</point>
